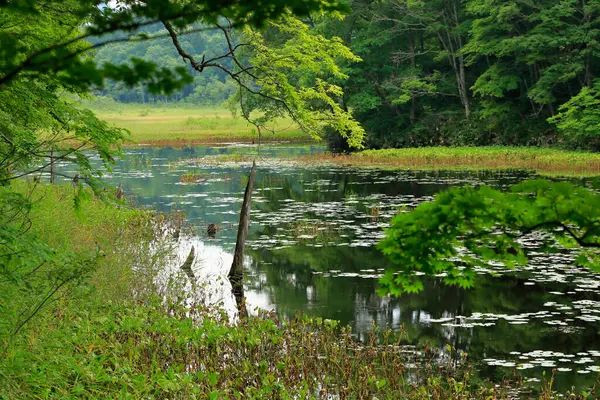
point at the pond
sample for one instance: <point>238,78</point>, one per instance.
<point>311,249</point>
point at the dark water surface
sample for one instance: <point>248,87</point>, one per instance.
<point>311,249</point>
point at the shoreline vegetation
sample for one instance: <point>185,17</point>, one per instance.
<point>544,161</point>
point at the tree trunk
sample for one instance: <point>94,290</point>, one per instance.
<point>413,97</point>
<point>453,45</point>
<point>236,273</point>
<point>464,91</point>
<point>588,72</point>
<point>457,63</point>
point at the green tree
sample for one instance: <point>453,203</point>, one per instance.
<point>465,228</point>
<point>294,70</point>
<point>538,55</point>
<point>578,120</point>
<point>472,72</point>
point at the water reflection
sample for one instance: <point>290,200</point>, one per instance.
<point>206,283</point>
<point>310,249</point>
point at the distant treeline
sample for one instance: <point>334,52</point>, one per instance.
<point>209,88</point>
<point>444,72</point>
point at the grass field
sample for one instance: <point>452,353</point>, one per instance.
<point>545,161</point>
<point>183,125</point>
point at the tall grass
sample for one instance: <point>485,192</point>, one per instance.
<point>65,252</point>
<point>138,351</point>
<point>543,160</point>
<point>180,125</point>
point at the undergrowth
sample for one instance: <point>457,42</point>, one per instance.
<point>137,350</point>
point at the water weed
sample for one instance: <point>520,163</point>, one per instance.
<point>135,350</point>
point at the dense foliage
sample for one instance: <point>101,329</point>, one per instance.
<point>450,72</point>
<point>473,72</point>
<point>53,249</point>
<point>466,228</point>
<point>297,71</point>
<point>36,120</point>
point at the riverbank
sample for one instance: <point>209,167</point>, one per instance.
<point>545,161</point>
<point>181,126</point>
<point>184,125</point>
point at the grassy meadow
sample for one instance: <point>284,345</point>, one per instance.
<point>182,125</point>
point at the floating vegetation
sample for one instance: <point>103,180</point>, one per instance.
<point>224,159</point>
<point>311,231</point>
<point>193,177</point>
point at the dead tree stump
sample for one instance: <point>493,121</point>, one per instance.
<point>236,273</point>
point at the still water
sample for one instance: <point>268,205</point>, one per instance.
<point>311,249</point>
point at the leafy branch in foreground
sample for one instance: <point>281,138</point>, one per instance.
<point>90,19</point>
<point>284,70</point>
<point>464,228</point>
<point>43,61</point>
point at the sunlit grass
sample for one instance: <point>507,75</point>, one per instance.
<point>545,161</point>
<point>176,125</point>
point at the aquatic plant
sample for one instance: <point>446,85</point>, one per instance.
<point>318,231</point>
<point>138,350</point>
<point>193,177</point>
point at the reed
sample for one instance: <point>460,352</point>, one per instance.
<point>545,161</point>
